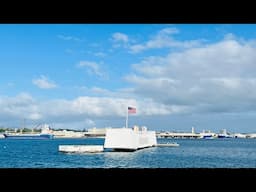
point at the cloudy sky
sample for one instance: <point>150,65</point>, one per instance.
<point>83,76</point>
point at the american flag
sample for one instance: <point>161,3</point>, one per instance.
<point>131,110</point>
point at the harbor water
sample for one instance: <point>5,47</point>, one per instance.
<point>191,153</point>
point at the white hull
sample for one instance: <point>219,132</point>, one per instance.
<point>128,139</point>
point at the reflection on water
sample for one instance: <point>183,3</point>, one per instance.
<point>120,159</point>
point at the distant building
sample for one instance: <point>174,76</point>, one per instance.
<point>67,134</point>
<point>96,132</point>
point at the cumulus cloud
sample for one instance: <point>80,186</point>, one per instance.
<point>93,68</point>
<point>21,106</point>
<point>44,83</point>
<point>226,58</point>
<point>120,37</point>
<point>81,111</point>
<point>120,40</point>
<point>218,77</point>
<point>164,39</point>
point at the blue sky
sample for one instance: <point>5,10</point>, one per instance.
<point>80,76</point>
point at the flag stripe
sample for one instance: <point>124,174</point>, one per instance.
<point>131,110</point>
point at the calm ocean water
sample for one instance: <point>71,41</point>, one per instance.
<point>192,153</point>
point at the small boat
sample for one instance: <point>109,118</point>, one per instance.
<point>224,136</point>
<point>207,137</point>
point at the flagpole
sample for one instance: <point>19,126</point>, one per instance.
<point>127,117</point>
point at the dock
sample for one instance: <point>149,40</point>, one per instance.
<point>81,148</point>
<point>167,145</point>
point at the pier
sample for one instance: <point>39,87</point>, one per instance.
<point>167,145</point>
<point>81,148</point>
<point>179,135</point>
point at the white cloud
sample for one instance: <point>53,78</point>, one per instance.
<point>225,58</point>
<point>229,36</point>
<point>168,31</point>
<point>77,113</point>
<point>94,91</point>
<point>68,38</point>
<point>218,77</point>
<point>93,68</point>
<point>137,48</point>
<point>44,83</point>
<point>19,107</point>
<point>164,39</point>
<point>120,37</point>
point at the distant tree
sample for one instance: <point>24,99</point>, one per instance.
<point>37,130</point>
<point>2,130</point>
<point>26,130</point>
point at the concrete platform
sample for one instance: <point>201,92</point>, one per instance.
<point>81,148</point>
<point>167,145</point>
